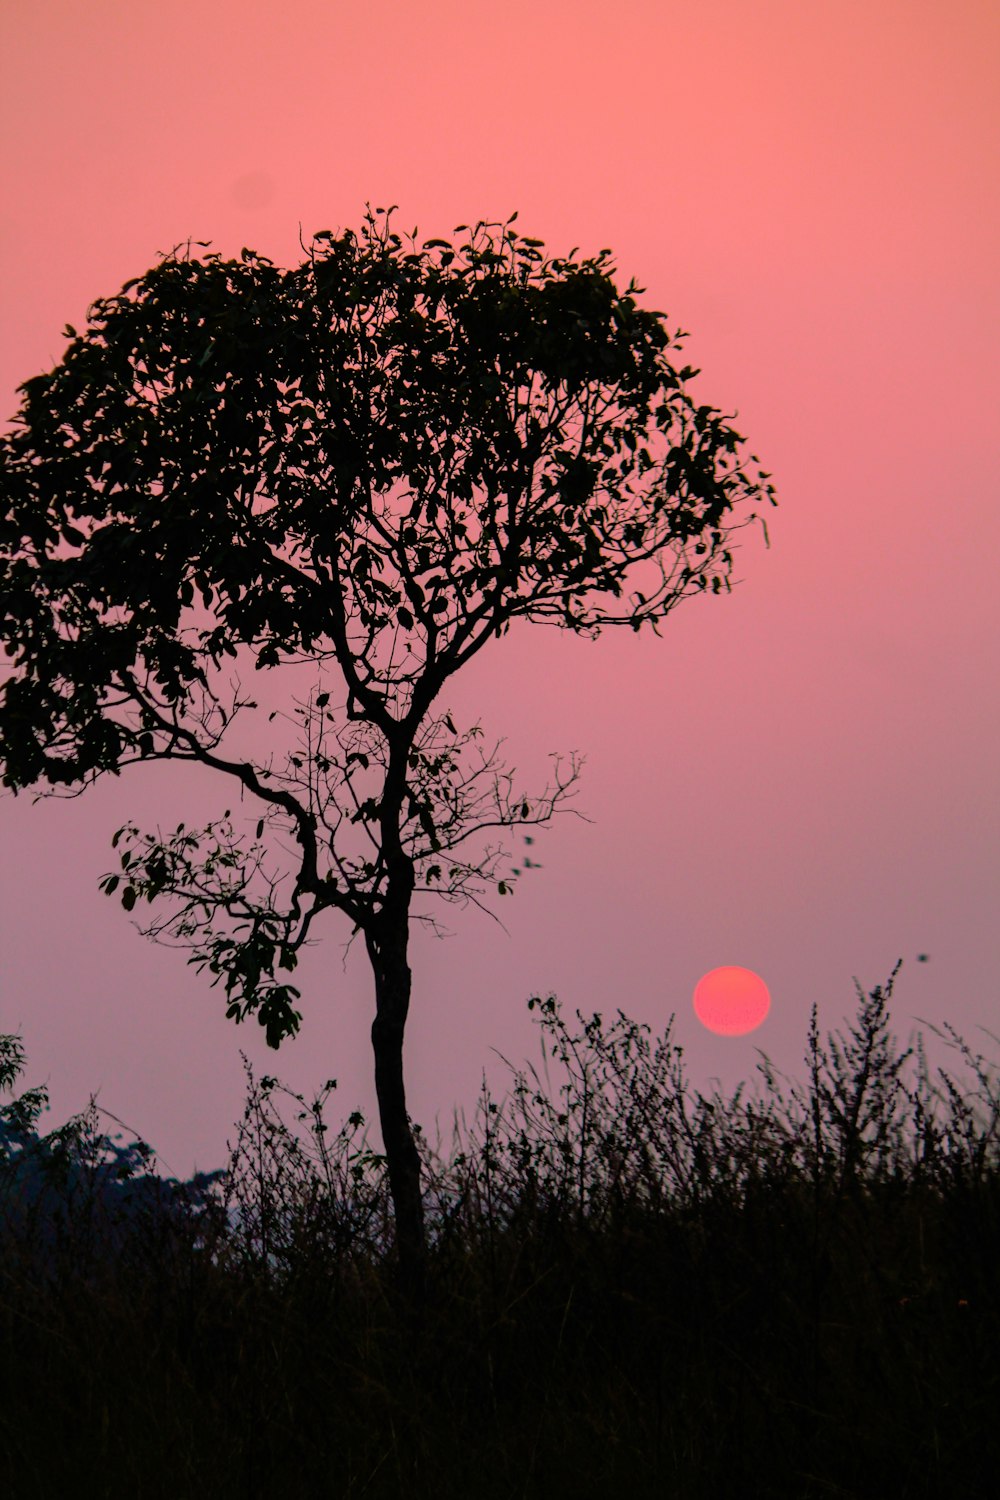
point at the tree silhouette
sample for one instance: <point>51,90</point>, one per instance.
<point>363,469</point>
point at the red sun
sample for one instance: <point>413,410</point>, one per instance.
<point>731,1001</point>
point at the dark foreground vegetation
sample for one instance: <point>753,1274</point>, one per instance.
<point>635,1290</point>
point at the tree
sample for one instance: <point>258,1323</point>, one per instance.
<point>366,467</point>
<point>75,1190</point>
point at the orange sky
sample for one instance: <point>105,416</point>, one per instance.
<point>800,778</point>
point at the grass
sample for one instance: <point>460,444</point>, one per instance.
<point>635,1289</point>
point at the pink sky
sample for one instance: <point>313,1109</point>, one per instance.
<point>800,778</point>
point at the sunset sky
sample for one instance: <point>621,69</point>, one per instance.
<point>800,778</point>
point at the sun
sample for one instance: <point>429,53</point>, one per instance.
<point>731,1001</point>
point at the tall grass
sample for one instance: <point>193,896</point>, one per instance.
<point>635,1288</point>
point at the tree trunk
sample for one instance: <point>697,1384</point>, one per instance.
<point>387,945</point>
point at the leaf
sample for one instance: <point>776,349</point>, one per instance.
<point>322,700</point>
<point>128,897</point>
<point>405,618</point>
